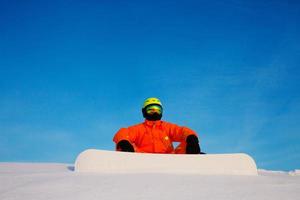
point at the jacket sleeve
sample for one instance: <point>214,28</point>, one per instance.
<point>180,133</point>
<point>125,134</point>
<point>122,134</point>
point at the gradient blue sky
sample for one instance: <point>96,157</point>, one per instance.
<point>73,72</point>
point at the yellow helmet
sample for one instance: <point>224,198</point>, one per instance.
<point>151,100</point>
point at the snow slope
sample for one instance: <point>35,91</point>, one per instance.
<point>58,181</point>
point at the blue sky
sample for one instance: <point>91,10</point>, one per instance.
<point>73,72</point>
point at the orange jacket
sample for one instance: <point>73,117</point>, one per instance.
<point>155,137</point>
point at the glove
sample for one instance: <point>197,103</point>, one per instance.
<point>192,145</point>
<point>125,146</point>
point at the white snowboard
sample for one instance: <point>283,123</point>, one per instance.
<point>93,160</point>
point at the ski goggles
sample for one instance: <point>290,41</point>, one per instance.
<point>154,109</point>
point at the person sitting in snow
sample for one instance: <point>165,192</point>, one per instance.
<point>155,135</point>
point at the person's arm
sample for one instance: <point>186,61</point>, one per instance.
<point>180,133</point>
<point>189,142</point>
<point>123,141</point>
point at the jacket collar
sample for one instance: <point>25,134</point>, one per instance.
<point>152,123</point>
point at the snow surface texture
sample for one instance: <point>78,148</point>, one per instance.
<point>59,181</point>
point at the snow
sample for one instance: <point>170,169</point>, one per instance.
<point>59,181</point>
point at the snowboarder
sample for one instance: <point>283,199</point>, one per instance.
<point>155,135</point>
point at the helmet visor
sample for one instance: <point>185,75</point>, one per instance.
<point>153,109</point>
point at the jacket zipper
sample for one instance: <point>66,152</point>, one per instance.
<point>153,147</point>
